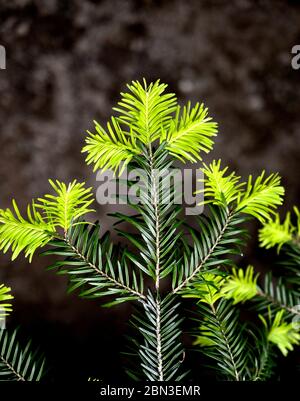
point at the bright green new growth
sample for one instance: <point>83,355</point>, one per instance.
<point>107,149</point>
<point>241,286</point>
<point>5,295</point>
<point>22,234</point>
<point>219,188</point>
<point>274,233</point>
<point>146,111</point>
<point>190,132</point>
<point>148,114</point>
<point>70,202</point>
<point>208,291</point>
<point>240,352</point>
<point>258,198</point>
<point>261,197</point>
<point>150,132</point>
<point>44,216</point>
<point>284,335</point>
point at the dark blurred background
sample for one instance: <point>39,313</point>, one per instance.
<point>67,61</point>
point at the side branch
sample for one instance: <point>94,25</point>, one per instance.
<point>102,273</point>
<point>210,252</point>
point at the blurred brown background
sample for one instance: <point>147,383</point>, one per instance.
<point>67,60</point>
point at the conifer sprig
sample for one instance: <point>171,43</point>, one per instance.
<point>151,131</point>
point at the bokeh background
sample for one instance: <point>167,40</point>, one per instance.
<point>67,61</point>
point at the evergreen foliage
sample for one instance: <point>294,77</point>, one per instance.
<point>17,363</point>
<point>150,132</point>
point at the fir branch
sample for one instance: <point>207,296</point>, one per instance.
<point>209,247</point>
<point>277,295</point>
<point>242,286</point>
<point>18,363</point>
<point>92,266</point>
<point>150,117</point>
<point>223,340</point>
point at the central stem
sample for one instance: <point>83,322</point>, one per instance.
<point>155,202</point>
